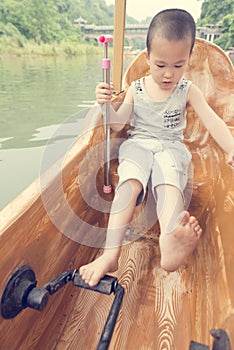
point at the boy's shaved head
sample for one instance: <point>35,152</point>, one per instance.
<point>172,24</point>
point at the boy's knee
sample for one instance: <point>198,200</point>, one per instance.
<point>127,193</point>
<point>131,186</point>
<point>136,186</point>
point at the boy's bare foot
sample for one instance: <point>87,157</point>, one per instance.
<point>94,271</point>
<point>177,245</point>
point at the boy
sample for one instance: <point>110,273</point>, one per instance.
<point>155,149</point>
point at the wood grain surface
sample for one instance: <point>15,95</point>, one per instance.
<point>160,310</point>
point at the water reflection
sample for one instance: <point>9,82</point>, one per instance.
<point>37,92</point>
<point>37,95</point>
<point>20,166</point>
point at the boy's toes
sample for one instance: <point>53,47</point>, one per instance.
<point>93,281</point>
<point>197,229</point>
<point>85,274</point>
<point>193,221</point>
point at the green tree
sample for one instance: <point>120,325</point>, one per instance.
<point>12,11</point>
<point>216,11</point>
<point>47,21</point>
<point>213,11</point>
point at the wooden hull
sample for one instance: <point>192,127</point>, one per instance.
<point>160,310</point>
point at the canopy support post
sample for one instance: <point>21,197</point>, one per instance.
<point>119,27</point>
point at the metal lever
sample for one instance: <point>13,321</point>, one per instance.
<point>221,341</point>
<point>20,292</point>
<point>107,284</point>
<point>58,282</point>
<point>197,346</point>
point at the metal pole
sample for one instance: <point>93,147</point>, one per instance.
<point>106,66</point>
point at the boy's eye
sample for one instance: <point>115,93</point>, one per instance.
<point>160,66</point>
<point>178,66</point>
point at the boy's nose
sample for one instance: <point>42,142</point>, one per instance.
<point>168,73</point>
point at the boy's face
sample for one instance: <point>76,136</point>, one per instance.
<point>168,61</point>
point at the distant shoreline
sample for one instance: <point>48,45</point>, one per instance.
<point>62,49</point>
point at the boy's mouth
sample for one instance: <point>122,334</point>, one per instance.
<point>166,83</point>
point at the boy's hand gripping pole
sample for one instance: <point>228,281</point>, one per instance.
<point>106,66</point>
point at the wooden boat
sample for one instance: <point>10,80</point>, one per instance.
<point>42,228</point>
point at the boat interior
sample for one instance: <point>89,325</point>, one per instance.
<point>53,227</point>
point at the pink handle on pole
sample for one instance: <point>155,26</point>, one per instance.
<point>106,63</point>
<point>105,39</point>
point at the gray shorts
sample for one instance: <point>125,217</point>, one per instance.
<point>162,162</point>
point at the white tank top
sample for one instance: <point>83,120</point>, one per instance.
<point>164,120</point>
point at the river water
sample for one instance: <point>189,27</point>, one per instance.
<point>43,101</point>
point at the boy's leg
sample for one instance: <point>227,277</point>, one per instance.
<point>122,210</point>
<point>180,232</point>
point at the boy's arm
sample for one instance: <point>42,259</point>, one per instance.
<point>119,118</point>
<point>215,125</point>
<point>122,116</point>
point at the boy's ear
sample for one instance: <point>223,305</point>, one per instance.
<point>191,53</point>
<point>147,56</point>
